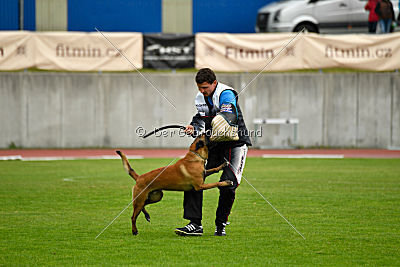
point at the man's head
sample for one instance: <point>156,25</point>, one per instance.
<point>206,81</point>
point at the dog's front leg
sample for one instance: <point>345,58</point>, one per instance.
<point>212,185</point>
<point>198,184</point>
<point>215,170</point>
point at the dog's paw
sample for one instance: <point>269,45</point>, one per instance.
<point>147,216</point>
<point>134,232</point>
<point>118,152</point>
<point>227,183</point>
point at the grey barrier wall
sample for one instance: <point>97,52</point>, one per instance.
<point>66,110</point>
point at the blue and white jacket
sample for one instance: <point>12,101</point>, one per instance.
<point>223,99</point>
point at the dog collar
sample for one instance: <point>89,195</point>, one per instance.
<point>197,154</point>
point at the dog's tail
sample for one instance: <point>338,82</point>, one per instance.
<point>126,165</point>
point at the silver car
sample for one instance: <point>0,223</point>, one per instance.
<point>320,16</point>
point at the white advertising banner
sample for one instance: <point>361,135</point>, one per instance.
<point>71,51</point>
<point>377,52</point>
<point>17,50</point>
<point>77,51</point>
<point>253,52</point>
<point>248,52</point>
<point>88,51</point>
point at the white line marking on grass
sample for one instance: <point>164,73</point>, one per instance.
<point>303,156</point>
<point>13,157</point>
<point>78,158</point>
<point>72,178</point>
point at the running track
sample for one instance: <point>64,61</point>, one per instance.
<point>60,154</point>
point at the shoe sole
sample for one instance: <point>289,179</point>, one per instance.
<point>182,233</point>
<point>219,234</point>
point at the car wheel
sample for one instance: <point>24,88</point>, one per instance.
<point>307,28</point>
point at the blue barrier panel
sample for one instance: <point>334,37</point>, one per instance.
<point>9,15</point>
<point>232,16</point>
<point>116,15</point>
<point>30,15</point>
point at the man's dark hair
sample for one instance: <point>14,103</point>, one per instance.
<point>205,75</point>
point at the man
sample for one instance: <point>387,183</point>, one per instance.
<point>217,104</point>
<point>384,9</point>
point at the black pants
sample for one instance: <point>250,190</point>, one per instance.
<point>372,26</point>
<point>193,200</point>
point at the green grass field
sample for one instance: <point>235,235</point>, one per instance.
<point>348,210</point>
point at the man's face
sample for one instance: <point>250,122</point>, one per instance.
<point>206,89</point>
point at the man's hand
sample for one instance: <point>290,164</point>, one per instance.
<point>189,130</point>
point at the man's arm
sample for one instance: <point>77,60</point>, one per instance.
<point>224,125</point>
<point>197,125</point>
<point>228,108</point>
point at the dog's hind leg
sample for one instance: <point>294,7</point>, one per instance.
<point>138,204</point>
<point>153,197</point>
<point>146,214</point>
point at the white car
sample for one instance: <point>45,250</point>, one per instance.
<point>320,16</point>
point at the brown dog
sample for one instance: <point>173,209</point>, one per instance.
<point>186,174</point>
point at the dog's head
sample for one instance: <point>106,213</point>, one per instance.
<point>200,145</point>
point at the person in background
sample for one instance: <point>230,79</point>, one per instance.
<point>373,17</point>
<point>385,12</point>
<point>398,17</point>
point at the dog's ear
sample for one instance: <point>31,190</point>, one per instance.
<point>199,144</point>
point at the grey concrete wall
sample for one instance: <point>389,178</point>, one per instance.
<point>340,110</point>
<point>62,110</point>
<point>395,113</point>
